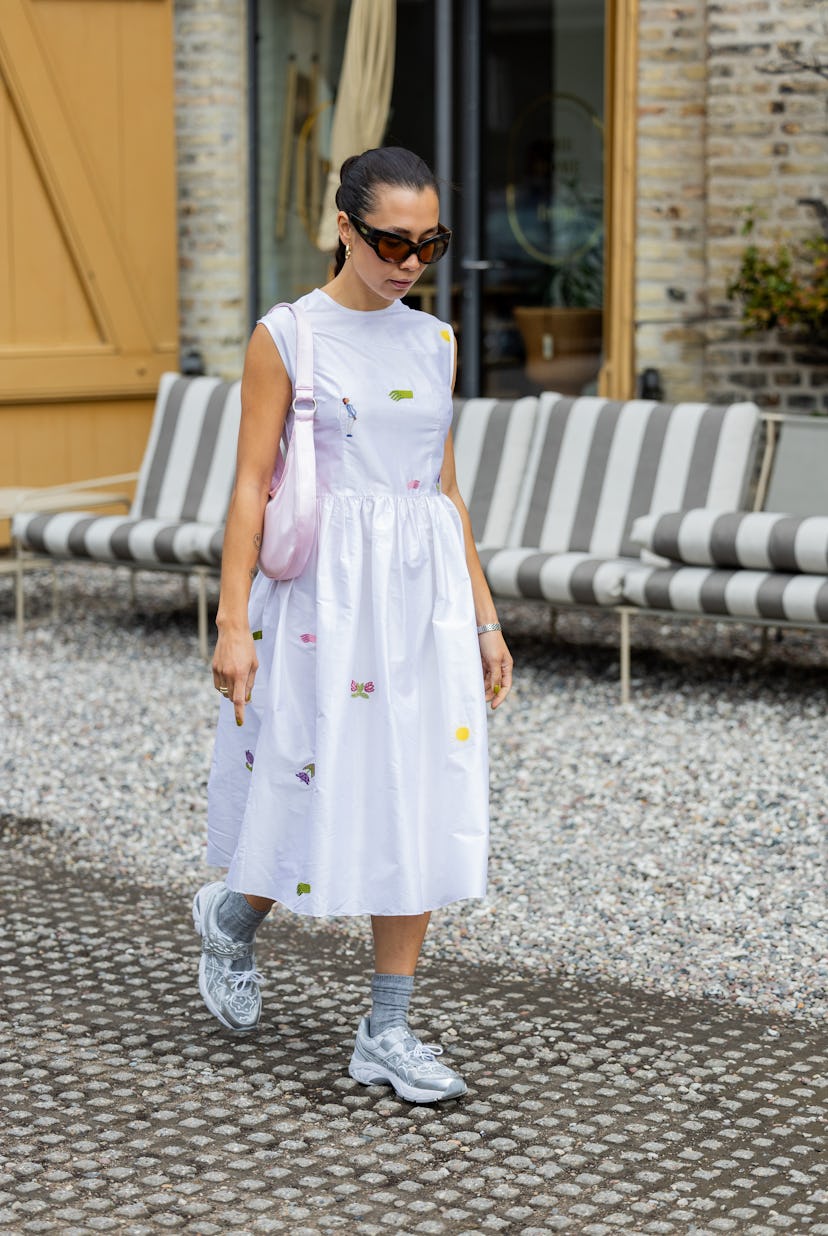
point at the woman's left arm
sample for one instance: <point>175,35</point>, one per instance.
<point>496,658</point>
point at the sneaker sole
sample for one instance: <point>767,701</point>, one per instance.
<point>212,1007</point>
<point>375,1075</point>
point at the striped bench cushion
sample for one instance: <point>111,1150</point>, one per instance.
<point>189,464</point>
<point>756,539</point>
<point>183,491</point>
<point>491,447</point>
<point>563,579</point>
<point>119,538</point>
<point>737,593</point>
<point>596,465</point>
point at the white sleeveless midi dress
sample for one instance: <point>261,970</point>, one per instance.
<point>358,783</point>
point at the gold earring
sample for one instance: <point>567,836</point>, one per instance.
<point>347,252</point>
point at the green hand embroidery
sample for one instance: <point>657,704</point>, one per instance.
<point>398,395</point>
<point>302,888</point>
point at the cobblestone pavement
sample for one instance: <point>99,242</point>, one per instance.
<point>126,1107</point>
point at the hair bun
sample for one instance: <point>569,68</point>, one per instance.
<point>347,165</point>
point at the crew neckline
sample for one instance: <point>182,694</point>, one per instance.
<point>362,313</point>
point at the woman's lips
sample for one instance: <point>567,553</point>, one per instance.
<point>402,285</point>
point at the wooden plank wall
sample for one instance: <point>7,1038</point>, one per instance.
<point>88,234</point>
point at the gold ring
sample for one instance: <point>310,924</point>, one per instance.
<point>224,690</point>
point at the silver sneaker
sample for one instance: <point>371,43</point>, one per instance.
<point>400,1059</point>
<point>232,996</point>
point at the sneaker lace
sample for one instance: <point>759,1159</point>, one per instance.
<point>240,979</point>
<point>424,1051</point>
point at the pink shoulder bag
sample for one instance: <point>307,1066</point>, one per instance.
<point>289,526</point>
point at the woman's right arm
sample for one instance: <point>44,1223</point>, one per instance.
<point>266,394</point>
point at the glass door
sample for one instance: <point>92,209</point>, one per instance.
<point>298,55</point>
<point>542,173</point>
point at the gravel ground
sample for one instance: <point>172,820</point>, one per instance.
<point>678,845</point>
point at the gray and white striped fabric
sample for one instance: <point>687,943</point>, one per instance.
<point>740,593</point>
<point>756,539</point>
<point>562,579</point>
<point>594,466</point>
<point>491,449</point>
<point>183,490</point>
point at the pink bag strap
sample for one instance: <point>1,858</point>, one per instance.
<point>304,403</point>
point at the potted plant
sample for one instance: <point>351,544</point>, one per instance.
<point>563,335</point>
<point>783,286</point>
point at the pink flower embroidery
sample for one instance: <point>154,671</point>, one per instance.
<point>361,690</point>
<point>307,638</point>
<point>413,485</point>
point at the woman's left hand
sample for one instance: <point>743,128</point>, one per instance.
<point>497,667</point>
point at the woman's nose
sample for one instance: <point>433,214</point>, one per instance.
<point>411,264</point>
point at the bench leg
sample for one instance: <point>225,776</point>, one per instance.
<point>777,634</point>
<point>18,594</point>
<point>133,595</point>
<point>202,614</point>
<point>553,621</point>
<point>625,656</point>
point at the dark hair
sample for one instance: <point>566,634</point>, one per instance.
<point>360,175</point>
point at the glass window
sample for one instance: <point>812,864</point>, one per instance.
<point>543,197</point>
<point>540,187</point>
<point>299,48</point>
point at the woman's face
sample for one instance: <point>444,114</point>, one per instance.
<point>413,214</point>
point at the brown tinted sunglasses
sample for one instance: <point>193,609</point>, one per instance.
<point>394,248</point>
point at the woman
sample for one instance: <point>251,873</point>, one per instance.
<point>350,771</point>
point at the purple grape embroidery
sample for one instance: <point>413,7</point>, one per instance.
<point>307,772</point>
<point>248,760</point>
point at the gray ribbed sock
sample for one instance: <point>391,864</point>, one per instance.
<point>238,920</point>
<point>390,994</point>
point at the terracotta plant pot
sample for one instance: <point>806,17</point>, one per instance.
<point>563,346</point>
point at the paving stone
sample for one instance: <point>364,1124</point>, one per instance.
<point>125,1107</point>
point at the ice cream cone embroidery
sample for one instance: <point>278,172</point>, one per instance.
<point>352,417</point>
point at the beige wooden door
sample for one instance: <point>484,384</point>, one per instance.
<point>88,286</point>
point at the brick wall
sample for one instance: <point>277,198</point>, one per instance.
<point>211,135</point>
<point>670,241</point>
<point>718,133</point>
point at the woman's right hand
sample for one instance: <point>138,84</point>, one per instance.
<point>234,667</point>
